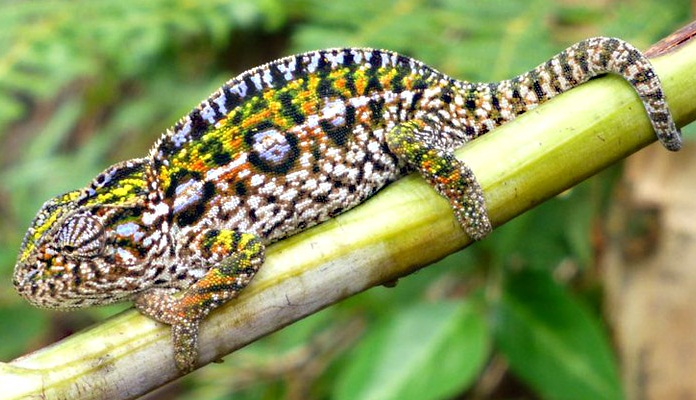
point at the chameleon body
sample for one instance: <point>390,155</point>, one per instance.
<point>280,148</point>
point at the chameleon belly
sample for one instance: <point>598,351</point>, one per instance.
<point>280,148</point>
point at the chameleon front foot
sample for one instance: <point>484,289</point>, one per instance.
<point>185,340</point>
<point>237,257</point>
<point>162,306</point>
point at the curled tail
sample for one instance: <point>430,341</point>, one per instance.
<point>578,64</point>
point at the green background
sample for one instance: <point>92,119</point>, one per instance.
<point>84,84</point>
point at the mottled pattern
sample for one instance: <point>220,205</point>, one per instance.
<point>277,149</point>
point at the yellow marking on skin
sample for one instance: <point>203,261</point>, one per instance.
<point>295,86</point>
<point>279,119</point>
<point>409,81</point>
<point>386,78</point>
<point>255,119</point>
<point>232,141</point>
<point>226,237</point>
<point>269,94</point>
<point>340,81</point>
<point>122,191</point>
<point>360,81</point>
<point>309,107</point>
<point>39,231</point>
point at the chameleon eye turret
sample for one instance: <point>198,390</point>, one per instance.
<point>81,236</point>
<point>278,149</point>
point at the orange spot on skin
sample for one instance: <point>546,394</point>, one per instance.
<point>254,119</point>
<point>360,83</point>
<point>340,82</point>
<point>58,263</point>
<point>232,175</point>
<point>234,144</point>
<point>409,81</point>
<point>220,249</point>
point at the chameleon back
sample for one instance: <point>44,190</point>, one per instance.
<point>293,142</point>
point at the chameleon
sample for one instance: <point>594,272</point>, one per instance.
<point>276,150</point>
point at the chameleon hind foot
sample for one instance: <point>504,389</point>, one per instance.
<point>415,143</point>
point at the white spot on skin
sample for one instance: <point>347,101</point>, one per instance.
<point>313,121</point>
<point>310,185</point>
<point>240,88</point>
<point>325,187</point>
<point>359,102</point>
<point>267,78</point>
<point>154,237</point>
<point>254,201</point>
<point>334,111</point>
<point>215,173</point>
<point>367,170</point>
<point>339,170</point>
<point>335,59</point>
<point>126,256</point>
<point>130,229</point>
<point>357,56</point>
<point>407,96</point>
<point>186,194</point>
<point>257,179</point>
<point>256,80</point>
<point>196,273</point>
<point>287,70</point>
<point>182,135</point>
<point>208,113</point>
<point>430,93</point>
<point>160,210</point>
<point>288,195</point>
<point>230,204</point>
<point>220,101</point>
<point>313,62</point>
<point>385,59</point>
<point>269,188</point>
<point>185,186</point>
<point>272,146</point>
<point>305,160</point>
<point>266,212</point>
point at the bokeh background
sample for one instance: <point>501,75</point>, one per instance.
<point>530,313</point>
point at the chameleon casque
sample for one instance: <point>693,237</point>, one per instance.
<point>277,149</point>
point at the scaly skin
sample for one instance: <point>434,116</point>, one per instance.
<point>276,150</point>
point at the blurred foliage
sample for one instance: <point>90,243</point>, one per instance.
<point>84,84</point>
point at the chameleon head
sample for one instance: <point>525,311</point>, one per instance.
<point>87,247</point>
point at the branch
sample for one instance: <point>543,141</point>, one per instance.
<point>403,228</point>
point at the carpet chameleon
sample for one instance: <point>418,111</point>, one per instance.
<point>277,149</point>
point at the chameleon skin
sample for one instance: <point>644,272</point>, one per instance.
<point>280,148</point>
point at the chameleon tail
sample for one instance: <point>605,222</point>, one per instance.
<point>574,66</point>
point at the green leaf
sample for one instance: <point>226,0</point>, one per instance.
<point>429,351</point>
<point>552,342</point>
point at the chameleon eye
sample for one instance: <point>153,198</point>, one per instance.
<point>82,236</point>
